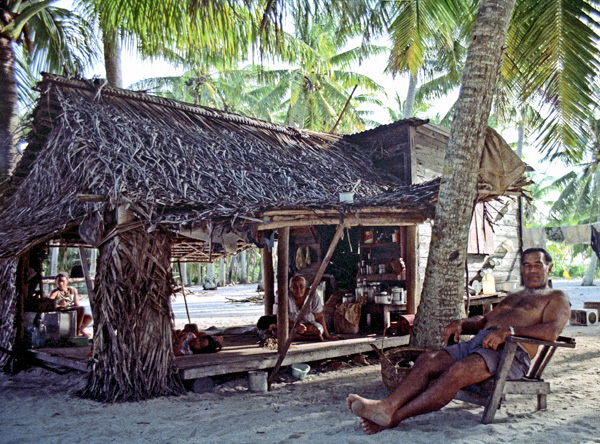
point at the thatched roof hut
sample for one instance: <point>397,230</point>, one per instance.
<point>147,180</point>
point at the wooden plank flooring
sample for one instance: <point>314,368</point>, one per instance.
<point>239,354</point>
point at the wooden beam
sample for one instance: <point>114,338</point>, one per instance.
<point>391,220</point>
<point>283,253</point>
<point>269,279</point>
<point>333,212</point>
<point>311,294</point>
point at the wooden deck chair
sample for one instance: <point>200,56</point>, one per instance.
<point>491,392</point>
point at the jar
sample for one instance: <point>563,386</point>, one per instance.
<point>386,297</point>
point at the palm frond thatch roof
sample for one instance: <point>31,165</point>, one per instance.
<point>180,166</point>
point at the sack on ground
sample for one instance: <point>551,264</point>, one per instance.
<point>347,317</point>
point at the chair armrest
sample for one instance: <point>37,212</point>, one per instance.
<point>562,341</point>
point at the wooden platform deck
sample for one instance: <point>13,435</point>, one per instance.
<point>238,355</point>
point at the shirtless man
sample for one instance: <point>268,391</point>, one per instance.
<point>536,311</point>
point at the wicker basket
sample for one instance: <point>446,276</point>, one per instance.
<point>396,363</point>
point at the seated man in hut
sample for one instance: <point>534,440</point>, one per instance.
<point>313,326</point>
<point>536,311</point>
<point>67,299</point>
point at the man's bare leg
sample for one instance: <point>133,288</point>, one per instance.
<point>427,367</point>
<point>467,371</point>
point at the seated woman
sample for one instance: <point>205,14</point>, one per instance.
<point>68,299</point>
<point>313,326</point>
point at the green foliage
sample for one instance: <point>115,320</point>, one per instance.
<point>567,257</point>
<point>309,93</point>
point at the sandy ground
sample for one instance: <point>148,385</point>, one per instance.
<point>37,406</point>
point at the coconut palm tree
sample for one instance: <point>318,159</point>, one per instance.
<point>47,38</point>
<point>579,200</point>
<point>428,43</point>
<point>442,296</point>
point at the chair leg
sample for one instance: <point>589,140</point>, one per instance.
<point>497,392</point>
<point>541,403</point>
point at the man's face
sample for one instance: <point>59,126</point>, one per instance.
<point>535,270</point>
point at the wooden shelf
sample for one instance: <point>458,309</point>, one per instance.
<point>380,244</point>
<point>379,277</point>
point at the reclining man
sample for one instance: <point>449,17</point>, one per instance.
<point>536,311</point>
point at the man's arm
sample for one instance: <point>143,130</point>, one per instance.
<point>468,325</point>
<point>555,316</point>
<point>75,297</point>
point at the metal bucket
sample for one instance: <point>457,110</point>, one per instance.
<point>257,381</point>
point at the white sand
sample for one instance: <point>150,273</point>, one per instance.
<point>37,406</point>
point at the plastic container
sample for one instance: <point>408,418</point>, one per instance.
<point>299,371</point>
<point>489,283</point>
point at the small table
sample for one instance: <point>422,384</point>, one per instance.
<point>386,309</point>
<point>486,300</point>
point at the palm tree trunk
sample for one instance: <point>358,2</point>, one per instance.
<point>232,267</point>
<point>521,133</point>
<point>588,278</point>
<point>209,281</point>
<point>222,274</point>
<point>243,266</point>
<point>409,104</point>
<point>183,276</point>
<point>443,288</point>
<point>112,58</point>
<point>8,307</point>
<point>53,261</point>
<point>9,117</point>
<point>132,356</point>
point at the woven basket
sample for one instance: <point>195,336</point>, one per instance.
<point>396,363</point>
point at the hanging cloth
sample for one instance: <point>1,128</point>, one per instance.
<point>554,234</point>
<point>577,234</point>
<point>300,264</point>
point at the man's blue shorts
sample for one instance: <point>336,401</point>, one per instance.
<point>520,365</point>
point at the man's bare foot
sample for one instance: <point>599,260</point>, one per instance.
<point>369,427</point>
<point>374,411</point>
<point>84,334</point>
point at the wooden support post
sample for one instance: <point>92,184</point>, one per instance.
<point>413,293</point>
<point>187,310</point>
<point>22,288</point>
<point>86,274</point>
<point>283,249</point>
<point>312,293</point>
<point>268,279</point>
